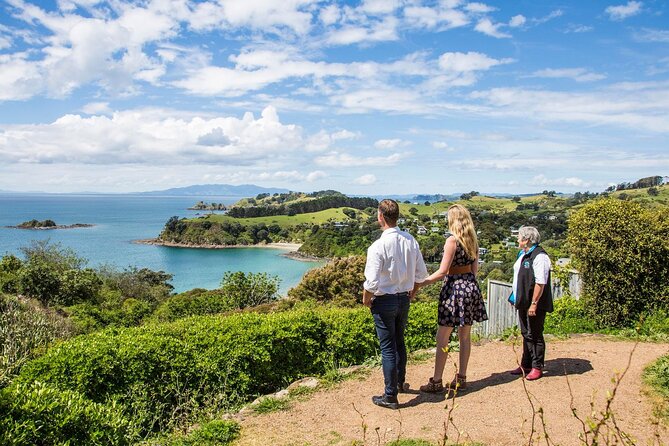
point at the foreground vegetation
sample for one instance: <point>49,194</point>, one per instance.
<point>147,363</point>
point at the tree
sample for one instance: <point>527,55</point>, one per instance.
<point>249,289</point>
<point>621,250</point>
<point>413,211</point>
<point>516,199</point>
<point>350,213</point>
<point>653,192</point>
<point>339,281</point>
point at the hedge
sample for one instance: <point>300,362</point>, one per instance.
<point>158,372</point>
<point>40,414</point>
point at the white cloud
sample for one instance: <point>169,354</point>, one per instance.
<point>330,14</point>
<point>440,145</point>
<point>345,160</point>
<point>315,176</point>
<point>96,108</point>
<point>553,15</point>
<point>517,20</point>
<point>440,18</point>
<point>365,180</point>
<point>486,26</point>
<point>390,143</point>
<point>542,180</point>
<point>153,136</point>
<point>640,106</point>
<point>471,61</point>
<point>379,6</point>
<point>621,12</point>
<point>323,140</point>
<point>256,14</point>
<point>652,35</point>
<point>479,8</point>
<point>577,74</point>
<point>575,28</point>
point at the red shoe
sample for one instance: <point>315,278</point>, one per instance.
<point>520,371</point>
<point>534,374</point>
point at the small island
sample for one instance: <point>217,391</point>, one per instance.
<point>48,224</point>
<point>202,206</point>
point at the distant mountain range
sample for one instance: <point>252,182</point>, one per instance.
<point>221,190</point>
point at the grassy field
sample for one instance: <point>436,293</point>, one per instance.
<point>641,196</point>
<point>315,218</point>
<point>492,204</point>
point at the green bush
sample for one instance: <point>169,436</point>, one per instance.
<point>568,317</point>
<point>9,274</point>
<point>621,250</point>
<point>26,328</point>
<point>340,281</point>
<point>243,290</point>
<point>196,302</point>
<point>39,414</point>
<point>156,371</point>
<point>657,377</point>
<point>213,433</point>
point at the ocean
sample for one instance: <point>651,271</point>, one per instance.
<point>121,219</point>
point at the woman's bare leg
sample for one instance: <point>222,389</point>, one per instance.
<point>464,334</point>
<point>443,336</point>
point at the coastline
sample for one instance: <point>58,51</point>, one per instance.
<point>292,247</point>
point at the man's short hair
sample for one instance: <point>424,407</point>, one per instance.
<point>390,211</point>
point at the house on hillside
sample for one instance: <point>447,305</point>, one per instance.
<point>422,230</point>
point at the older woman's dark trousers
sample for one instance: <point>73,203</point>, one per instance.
<point>391,313</point>
<point>534,347</point>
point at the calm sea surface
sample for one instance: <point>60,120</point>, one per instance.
<point>120,219</point>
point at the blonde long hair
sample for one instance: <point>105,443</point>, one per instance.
<point>460,224</point>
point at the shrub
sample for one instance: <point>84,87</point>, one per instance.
<point>340,281</point>
<point>196,302</point>
<point>9,274</point>
<point>25,329</point>
<point>243,290</point>
<point>39,414</point>
<point>159,374</point>
<point>657,377</point>
<point>568,317</point>
<point>621,250</point>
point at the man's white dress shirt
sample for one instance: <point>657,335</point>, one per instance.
<point>394,263</point>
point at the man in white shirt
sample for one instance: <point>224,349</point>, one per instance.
<point>394,265</point>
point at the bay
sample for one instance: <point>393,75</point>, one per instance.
<point>119,220</point>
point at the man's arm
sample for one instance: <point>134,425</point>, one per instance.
<point>367,298</point>
<point>372,274</point>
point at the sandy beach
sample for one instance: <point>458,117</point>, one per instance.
<point>292,247</point>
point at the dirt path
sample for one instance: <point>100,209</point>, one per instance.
<point>494,410</point>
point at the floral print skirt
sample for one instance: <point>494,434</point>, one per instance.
<point>460,301</point>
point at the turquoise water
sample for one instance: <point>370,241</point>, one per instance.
<point>121,219</point>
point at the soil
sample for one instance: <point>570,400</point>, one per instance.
<point>493,410</point>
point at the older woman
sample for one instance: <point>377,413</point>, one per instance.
<point>533,299</point>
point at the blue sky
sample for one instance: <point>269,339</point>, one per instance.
<point>366,97</point>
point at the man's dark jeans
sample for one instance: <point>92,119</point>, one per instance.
<point>391,312</point>
<point>534,346</point>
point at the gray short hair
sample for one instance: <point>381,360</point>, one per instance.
<point>529,233</point>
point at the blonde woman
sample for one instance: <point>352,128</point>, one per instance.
<point>460,300</point>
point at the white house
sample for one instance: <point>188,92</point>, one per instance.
<point>422,230</point>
